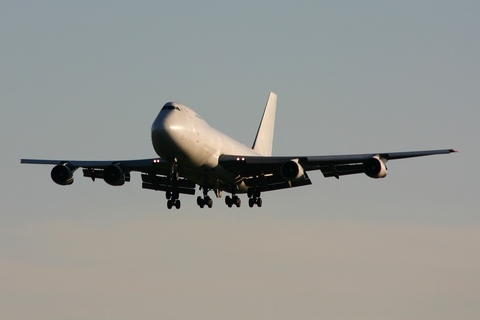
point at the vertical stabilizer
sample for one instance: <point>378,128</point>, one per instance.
<point>263,143</point>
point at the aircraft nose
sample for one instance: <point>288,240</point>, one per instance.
<point>161,129</point>
<point>165,132</point>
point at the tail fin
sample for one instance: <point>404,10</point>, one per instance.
<point>263,143</point>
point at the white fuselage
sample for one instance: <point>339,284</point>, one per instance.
<point>180,134</point>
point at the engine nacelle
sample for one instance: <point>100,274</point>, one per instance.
<point>375,168</point>
<point>292,170</point>
<point>62,174</point>
<point>114,175</point>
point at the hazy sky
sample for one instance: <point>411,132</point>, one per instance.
<point>84,80</point>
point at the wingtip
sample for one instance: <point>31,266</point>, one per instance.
<point>453,150</point>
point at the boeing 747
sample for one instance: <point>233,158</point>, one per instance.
<point>191,153</point>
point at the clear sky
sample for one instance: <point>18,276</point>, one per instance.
<point>84,80</point>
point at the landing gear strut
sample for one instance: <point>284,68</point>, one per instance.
<point>254,198</point>
<point>173,194</point>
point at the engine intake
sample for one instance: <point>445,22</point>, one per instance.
<point>62,174</point>
<point>375,168</point>
<point>292,170</point>
<point>114,175</point>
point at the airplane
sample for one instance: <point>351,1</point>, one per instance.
<point>193,153</point>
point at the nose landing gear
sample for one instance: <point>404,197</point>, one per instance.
<point>173,194</point>
<point>172,199</point>
<point>173,202</point>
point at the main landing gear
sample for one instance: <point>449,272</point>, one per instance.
<point>254,198</point>
<point>206,200</point>
<point>253,195</point>
<point>234,200</point>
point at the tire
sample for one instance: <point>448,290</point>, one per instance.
<point>238,202</point>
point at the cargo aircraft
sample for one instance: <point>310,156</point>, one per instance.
<point>192,153</point>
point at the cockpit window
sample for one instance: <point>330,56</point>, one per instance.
<point>170,107</point>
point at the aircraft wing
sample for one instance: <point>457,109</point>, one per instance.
<point>292,170</point>
<point>156,172</point>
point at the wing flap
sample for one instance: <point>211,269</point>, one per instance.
<point>341,170</point>
<point>275,182</point>
<point>162,183</point>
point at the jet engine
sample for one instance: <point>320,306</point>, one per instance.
<point>62,174</point>
<point>114,175</point>
<point>375,168</point>
<point>292,170</point>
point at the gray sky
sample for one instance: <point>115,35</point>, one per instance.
<point>84,80</point>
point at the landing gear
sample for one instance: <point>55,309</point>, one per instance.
<point>173,194</point>
<point>255,201</point>
<point>171,203</point>
<point>234,200</point>
<point>202,202</point>
<point>254,198</point>
<point>172,199</point>
<point>205,201</point>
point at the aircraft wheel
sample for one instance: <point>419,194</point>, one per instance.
<point>251,202</point>
<point>177,204</point>
<point>168,195</point>
<point>208,201</point>
<point>169,204</point>
<point>259,202</point>
<point>238,201</point>
<point>199,201</point>
<point>228,201</point>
